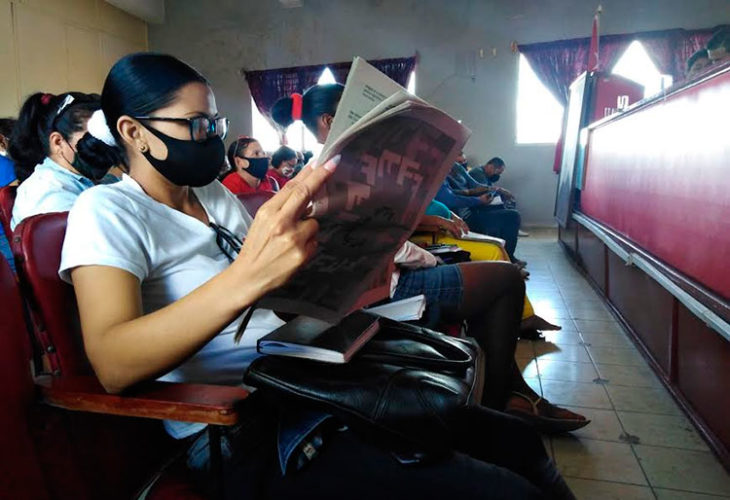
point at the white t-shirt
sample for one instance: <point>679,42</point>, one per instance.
<point>171,254</point>
<point>50,188</point>
<point>410,256</point>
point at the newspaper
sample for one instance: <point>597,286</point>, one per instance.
<point>396,151</point>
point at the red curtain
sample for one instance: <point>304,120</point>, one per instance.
<point>267,86</point>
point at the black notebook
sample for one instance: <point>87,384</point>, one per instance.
<point>318,340</point>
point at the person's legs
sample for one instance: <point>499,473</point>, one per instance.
<point>508,442</point>
<point>350,467</point>
<point>506,223</point>
<point>492,304</point>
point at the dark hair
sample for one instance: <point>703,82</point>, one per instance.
<point>721,38</point>
<point>316,101</point>
<point>6,126</point>
<point>496,161</point>
<point>137,84</point>
<point>235,149</point>
<point>284,153</point>
<point>41,115</point>
<point>307,156</point>
<point>700,54</point>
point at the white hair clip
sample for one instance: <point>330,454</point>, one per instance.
<point>99,129</point>
<point>69,99</point>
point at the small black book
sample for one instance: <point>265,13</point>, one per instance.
<point>318,340</point>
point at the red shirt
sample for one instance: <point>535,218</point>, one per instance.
<point>278,177</point>
<point>237,185</point>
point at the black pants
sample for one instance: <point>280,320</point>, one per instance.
<point>499,222</point>
<point>497,457</point>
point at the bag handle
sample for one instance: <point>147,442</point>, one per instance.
<point>456,356</point>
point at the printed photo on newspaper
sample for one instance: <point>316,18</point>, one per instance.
<point>396,151</point>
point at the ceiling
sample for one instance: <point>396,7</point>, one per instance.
<point>152,11</point>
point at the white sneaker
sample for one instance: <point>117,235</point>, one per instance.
<point>522,233</point>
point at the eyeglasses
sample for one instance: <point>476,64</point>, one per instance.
<point>229,243</point>
<point>201,127</point>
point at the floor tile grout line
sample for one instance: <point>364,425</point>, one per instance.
<point>590,438</point>
<point>609,481</point>
<point>606,392</point>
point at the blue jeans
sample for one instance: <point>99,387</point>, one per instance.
<point>443,287</point>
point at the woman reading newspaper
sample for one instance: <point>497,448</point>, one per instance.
<point>161,291</point>
<point>488,295</point>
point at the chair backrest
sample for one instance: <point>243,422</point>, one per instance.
<point>253,201</point>
<point>7,200</point>
<point>22,475</point>
<point>37,243</point>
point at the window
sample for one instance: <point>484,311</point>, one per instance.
<point>298,137</point>
<point>539,114</point>
<point>636,65</point>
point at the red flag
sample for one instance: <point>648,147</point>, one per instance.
<point>593,52</point>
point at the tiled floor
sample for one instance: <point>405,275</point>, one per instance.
<point>639,444</point>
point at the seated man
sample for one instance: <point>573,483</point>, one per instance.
<point>718,48</point>
<point>697,63</point>
<point>489,173</point>
<point>476,211</point>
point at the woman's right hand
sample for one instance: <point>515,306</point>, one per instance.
<point>281,238</point>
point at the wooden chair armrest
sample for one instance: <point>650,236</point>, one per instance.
<point>200,403</point>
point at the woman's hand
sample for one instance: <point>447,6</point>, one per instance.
<point>459,222</point>
<point>281,239</point>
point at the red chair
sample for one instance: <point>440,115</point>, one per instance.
<point>7,200</point>
<point>253,201</point>
<point>137,445</point>
<point>22,476</point>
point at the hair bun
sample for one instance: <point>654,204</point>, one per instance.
<point>46,99</point>
<point>282,112</point>
<point>98,128</point>
<point>296,106</point>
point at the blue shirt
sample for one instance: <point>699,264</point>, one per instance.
<point>7,172</point>
<point>479,175</point>
<point>50,188</point>
<point>460,180</point>
<point>455,202</point>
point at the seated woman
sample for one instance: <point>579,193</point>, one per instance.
<point>161,293</point>
<point>283,162</point>
<point>447,227</point>
<point>44,150</point>
<point>488,295</point>
<point>250,168</point>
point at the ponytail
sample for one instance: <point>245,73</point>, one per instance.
<point>316,101</point>
<point>137,85</point>
<point>41,115</point>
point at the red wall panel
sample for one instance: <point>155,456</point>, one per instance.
<point>660,176</point>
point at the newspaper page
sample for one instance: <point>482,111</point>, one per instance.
<point>366,87</point>
<point>391,168</point>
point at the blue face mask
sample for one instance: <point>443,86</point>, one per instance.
<point>493,178</point>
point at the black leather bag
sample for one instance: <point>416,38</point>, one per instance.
<point>401,386</point>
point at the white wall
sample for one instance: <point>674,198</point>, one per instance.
<point>60,45</point>
<point>220,37</point>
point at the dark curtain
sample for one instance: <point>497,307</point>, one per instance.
<point>267,86</point>
<point>558,63</point>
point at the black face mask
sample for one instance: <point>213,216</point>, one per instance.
<point>257,167</point>
<point>84,168</point>
<point>189,163</point>
<point>493,178</point>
